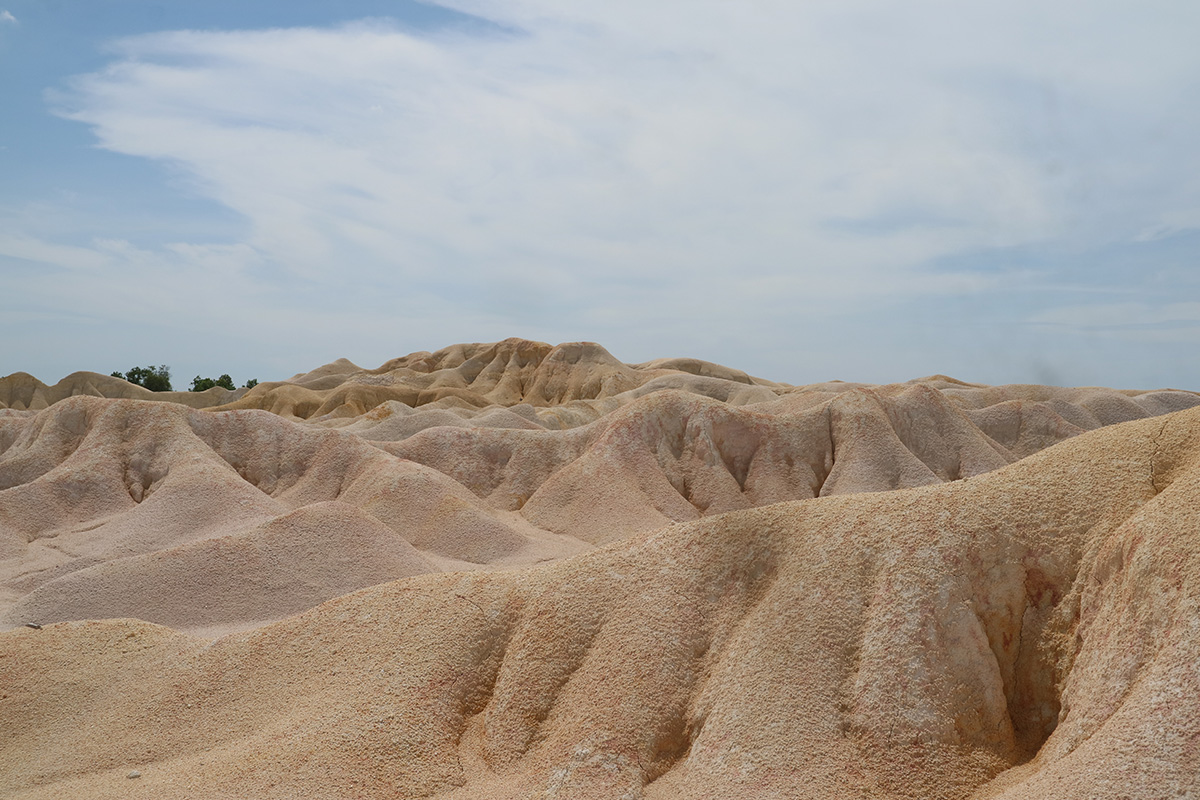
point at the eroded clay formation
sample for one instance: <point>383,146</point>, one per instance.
<point>514,570</point>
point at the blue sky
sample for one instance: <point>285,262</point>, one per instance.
<point>1003,192</point>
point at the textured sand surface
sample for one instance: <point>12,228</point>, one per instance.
<point>551,574</point>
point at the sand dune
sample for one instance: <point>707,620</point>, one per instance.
<point>482,376</point>
<point>104,499</point>
<point>531,571</point>
<point>1026,633</point>
<point>21,391</point>
<point>91,481</point>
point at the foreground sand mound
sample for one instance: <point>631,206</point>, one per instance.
<point>1027,633</point>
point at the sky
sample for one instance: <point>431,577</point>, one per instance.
<point>1004,192</point>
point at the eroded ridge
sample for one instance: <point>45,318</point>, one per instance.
<point>1004,636</point>
<point>665,590</point>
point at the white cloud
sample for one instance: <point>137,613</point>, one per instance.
<point>687,161</point>
<point>721,142</point>
<point>6,16</point>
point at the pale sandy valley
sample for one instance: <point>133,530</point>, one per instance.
<point>518,570</point>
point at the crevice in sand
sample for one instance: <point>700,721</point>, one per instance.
<point>1155,454</point>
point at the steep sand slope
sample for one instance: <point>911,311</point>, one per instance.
<point>1030,632</point>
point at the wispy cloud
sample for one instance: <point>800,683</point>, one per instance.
<point>6,16</point>
<point>678,161</point>
<point>717,145</point>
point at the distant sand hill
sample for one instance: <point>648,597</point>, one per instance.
<point>518,570</point>
<point>21,391</point>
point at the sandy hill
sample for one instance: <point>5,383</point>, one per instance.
<point>21,391</point>
<point>522,570</point>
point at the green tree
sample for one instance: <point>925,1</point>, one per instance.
<point>156,379</point>
<point>200,384</point>
<point>250,384</point>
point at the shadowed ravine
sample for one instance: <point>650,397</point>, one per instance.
<point>585,579</point>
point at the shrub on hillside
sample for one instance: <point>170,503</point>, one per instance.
<point>200,384</point>
<point>156,379</point>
